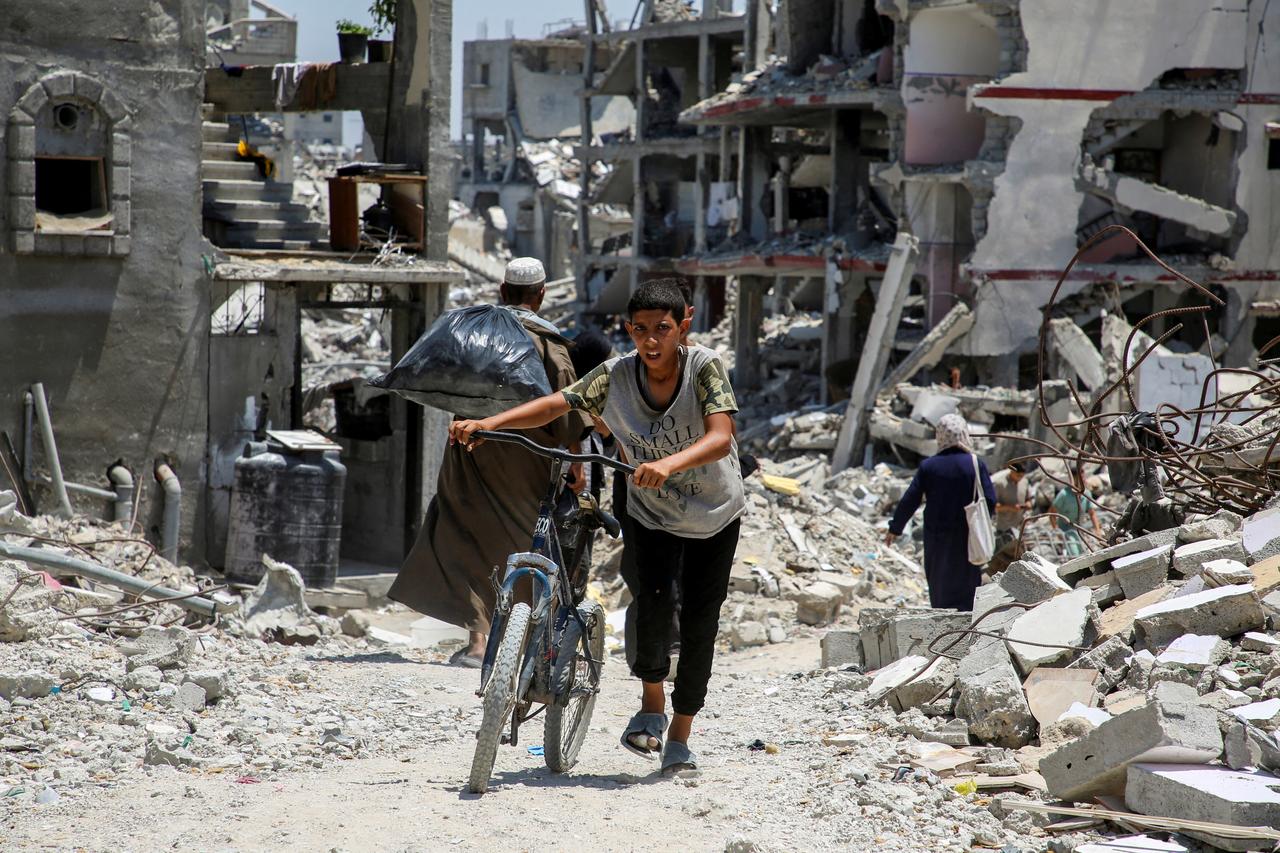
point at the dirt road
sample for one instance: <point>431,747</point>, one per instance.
<point>804,796</point>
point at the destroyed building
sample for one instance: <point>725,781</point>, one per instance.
<point>1000,135</point>
<point>155,277</point>
<point>520,109</point>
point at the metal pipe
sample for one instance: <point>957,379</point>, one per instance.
<point>28,433</point>
<point>92,571</point>
<point>92,491</point>
<point>172,511</point>
<point>122,480</point>
<point>51,449</point>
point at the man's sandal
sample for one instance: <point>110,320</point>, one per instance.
<point>650,725</point>
<point>676,757</point>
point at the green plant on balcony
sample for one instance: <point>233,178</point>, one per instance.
<point>349,27</point>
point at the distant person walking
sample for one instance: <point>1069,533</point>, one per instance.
<point>1070,508</point>
<point>1013,499</point>
<point>945,482</point>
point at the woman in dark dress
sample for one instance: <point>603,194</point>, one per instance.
<point>945,482</point>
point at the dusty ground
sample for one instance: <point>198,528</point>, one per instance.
<point>612,801</point>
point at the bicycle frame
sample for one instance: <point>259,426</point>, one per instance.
<point>544,565</point>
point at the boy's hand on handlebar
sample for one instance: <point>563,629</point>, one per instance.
<point>651,475</point>
<point>463,432</point>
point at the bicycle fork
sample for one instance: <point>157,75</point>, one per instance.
<point>542,573</point>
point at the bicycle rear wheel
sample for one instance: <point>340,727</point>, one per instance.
<point>569,716</point>
<point>499,697</point>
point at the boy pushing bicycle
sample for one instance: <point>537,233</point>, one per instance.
<point>671,407</point>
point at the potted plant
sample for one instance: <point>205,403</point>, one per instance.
<point>383,13</point>
<point>353,38</point>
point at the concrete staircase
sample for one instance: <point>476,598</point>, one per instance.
<point>244,211</point>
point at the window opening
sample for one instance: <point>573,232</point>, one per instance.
<point>66,186</point>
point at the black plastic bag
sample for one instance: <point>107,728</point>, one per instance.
<point>473,362</point>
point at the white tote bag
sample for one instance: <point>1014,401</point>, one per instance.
<point>982,537</point>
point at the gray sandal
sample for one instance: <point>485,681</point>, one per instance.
<point>677,757</point>
<point>651,725</point>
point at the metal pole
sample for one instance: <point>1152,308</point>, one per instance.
<point>92,571</point>
<point>51,449</point>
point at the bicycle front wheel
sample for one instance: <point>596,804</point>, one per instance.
<point>499,697</point>
<point>574,688</point>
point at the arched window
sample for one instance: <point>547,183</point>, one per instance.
<point>69,168</point>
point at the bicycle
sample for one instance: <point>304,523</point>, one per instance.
<point>551,653</point>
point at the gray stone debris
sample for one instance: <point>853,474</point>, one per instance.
<point>892,633</point>
<point>841,648</point>
<point>190,697</point>
<point>1212,794</point>
<point>31,684</point>
<point>1218,526</point>
<point>1216,573</point>
<point>937,679</point>
<point>991,700</point>
<point>1110,659</point>
<point>817,603</point>
<point>1248,746</point>
<point>1144,571</point>
<point>1062,621</point>
<point>163,648</point>
<point>1189,559</point>
<point>1075,569</point>
<point>1032,580</point>
<point>747,634</point>
<point>1261,534</point>
<point>28,614</point>
<point>1157,732</point>
<point>1225,612</point>
<point>277,609</point>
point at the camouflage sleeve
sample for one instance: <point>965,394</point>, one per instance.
<point>715,394</point>
<point>590,392</point>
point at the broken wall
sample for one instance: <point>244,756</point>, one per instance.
<point>119,342</point>
<point>549,106</point>
<point>1079,56</point>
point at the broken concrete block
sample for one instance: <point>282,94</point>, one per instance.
<point>841,648</point>
<point>1199,681</point>
<point>164,648</point>
<point>190,697</point>
<point>1224,700</point>
<point>1106,589</point>
<point>1211,794</point>
<point>742,579</point>
<point>744,635</point>
<point>1117,620</point>
<point>144,678</point>
<point>1195,651</point>
<point>1110,659</point>
<point>1164,733</point>
<point>1124,701</point>
<point>1032,580</point>
<point>158,753</point>
<point>1173,693</point>
<point>1060,621</point>
<point>842,581</point>
<point>817,603</point>
<point>31,684</point>
<point>991,699</point>
<point>1226,612</point>
<point>1261,537</point>
<point>1216,573</point>
<point>1248,746</point>
<point>1051,691</point>
<point>28,610</point>
<point>1218,526</point>
<point>895,675</point>
<point>355,623</point>
<point>1254,641</point>
<point>1144,571</point>
<point>1265,715</point>
<point>1074,570</point>
<point>921,690</point>
<point>890,633</point>
<point>1189,559</point>
<point>214,682</point>
<point>1140,666</point>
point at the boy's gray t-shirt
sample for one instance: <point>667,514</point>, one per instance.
<point>697,503</point>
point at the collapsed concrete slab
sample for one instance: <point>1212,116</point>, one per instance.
<point>1247,747</point>
<point>1057,623</point>
<point>1261,534</point>
<point>1265,715</point>
<point>1144,571</point>
<point>890,633</point>
<point>1189,559</point>
<point>1032,580</point>
<point>1228,572</point>
<point>922,689</point>
<point>818,603</point>
<point>990,697</point>
<point>1156,733</point>
<point>1075,569</point>
<point>1212,794</point>
<point>895,675</point>
<point>1220,525</point>
<point>1225,612</point>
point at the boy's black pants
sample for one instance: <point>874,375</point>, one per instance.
<point>700,569</point>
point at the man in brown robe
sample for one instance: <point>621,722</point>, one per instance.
<point>486,501</point>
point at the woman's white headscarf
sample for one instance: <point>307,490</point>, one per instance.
<point>952,431</point>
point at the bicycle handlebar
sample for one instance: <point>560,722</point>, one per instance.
<point>557,455</point>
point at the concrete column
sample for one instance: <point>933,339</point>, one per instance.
<point>637,168</point>
<point>753,180</point>
<point>746,332</point>
<point>584,205</point>
<point>848,171</point>
<point>706,74</point>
